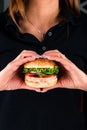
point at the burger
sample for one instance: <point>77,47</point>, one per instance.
<point>41,73</point>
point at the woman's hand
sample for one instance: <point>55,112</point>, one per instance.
<point>10,78</point>
<point>72,76</point>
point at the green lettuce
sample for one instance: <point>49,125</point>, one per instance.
<point>42,71</point>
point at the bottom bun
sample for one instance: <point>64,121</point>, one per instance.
<point>41,82</point>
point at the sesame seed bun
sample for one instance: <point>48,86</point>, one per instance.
<point>41,82</point>
<point>40,63</point>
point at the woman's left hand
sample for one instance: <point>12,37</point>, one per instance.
<point>73,77</point>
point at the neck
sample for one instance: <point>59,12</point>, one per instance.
<point>44,11</point>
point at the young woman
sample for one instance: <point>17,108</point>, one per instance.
<point>53,29</point>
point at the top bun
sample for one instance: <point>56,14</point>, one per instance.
<point>40,63</point>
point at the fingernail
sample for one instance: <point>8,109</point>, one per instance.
<point>45,56</point>
<point>48,57</point>
<point>40,56</point>
<point>34,57</point>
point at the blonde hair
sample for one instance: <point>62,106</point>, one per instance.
<point>18,7</point>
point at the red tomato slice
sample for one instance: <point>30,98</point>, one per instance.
<point>31,74</point>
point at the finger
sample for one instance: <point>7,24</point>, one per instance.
<point>47,89</point>
<point>53,53</point>
<point>26,53</point>
<point>67,64</point>
<point>30,88</point>
<point>24,57</point>
<point>14,65</point>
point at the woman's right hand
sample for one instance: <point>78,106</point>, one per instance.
<point>10,76</point>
